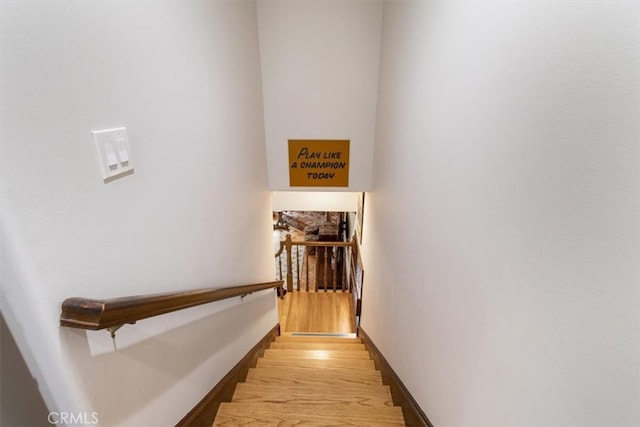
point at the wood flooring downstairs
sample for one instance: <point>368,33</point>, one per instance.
<point>328,312</point>
<point>312,381</point>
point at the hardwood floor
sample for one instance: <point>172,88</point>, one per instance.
<point>319,312</point>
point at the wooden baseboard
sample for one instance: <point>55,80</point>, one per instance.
<point>413,414</point>
<point>205,411</point>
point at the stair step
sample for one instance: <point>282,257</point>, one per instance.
<point>347,371</point>
<point>317,363</point>
<point>311,376</point>
<point>316,346</point>
<point>320,394</point>
<point>305,338</point>
<point>312,381</point>
<point>317,354</point>
<point>277,414</point>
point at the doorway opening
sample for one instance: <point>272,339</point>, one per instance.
<point>317,256</point>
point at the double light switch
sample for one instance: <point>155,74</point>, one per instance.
<point>114,152</point>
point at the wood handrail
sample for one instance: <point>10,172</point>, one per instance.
<point>312,243</point>
<point>329,244</point>
<point>86,313</point>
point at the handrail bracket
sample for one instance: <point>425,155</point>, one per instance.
<point>113,329</point>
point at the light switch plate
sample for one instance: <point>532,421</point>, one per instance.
<point>114,153</point>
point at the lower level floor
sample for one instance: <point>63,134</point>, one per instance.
<point>320,312</point>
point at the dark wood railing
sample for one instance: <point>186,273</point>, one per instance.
<point>323,264</point>
<point>86,313</point>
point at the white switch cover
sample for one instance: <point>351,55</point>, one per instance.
<point>114,153</point>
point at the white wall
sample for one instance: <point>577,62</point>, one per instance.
<point>184,78</point>
<point>320,73</point>
<point>502,236</point>
<point>314,201</point>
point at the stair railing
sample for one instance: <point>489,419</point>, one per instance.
<point>113,313</point>
<point>313,266</point>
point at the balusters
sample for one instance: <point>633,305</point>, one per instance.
<point>306,258</point>
<point>316,268</point>
<point>334,267</point>
<point>324,266</point>
<point>289,264</point>
<point>298,266</point>
<point>333,264</point>
<point>344,270</point>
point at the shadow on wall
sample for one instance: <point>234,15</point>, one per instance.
<point>20,401</point>
<point>122,382</point>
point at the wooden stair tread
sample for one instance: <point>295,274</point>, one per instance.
<point>305,369</point>
<point>279,414</point>
<point>322,339</point>
<point>317,354</point>
<point>317,346</point>
<point>346,371</point>
<point>310,377</point>
<point>311,372</point>
<point>319,394</point>
<point>318,363</point>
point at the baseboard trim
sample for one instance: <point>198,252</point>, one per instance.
<point>413,414</point>
<point>205,411</point>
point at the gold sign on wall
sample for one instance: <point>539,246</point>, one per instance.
<point>318,163</point>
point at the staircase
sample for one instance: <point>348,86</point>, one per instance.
<point>312,381</point>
